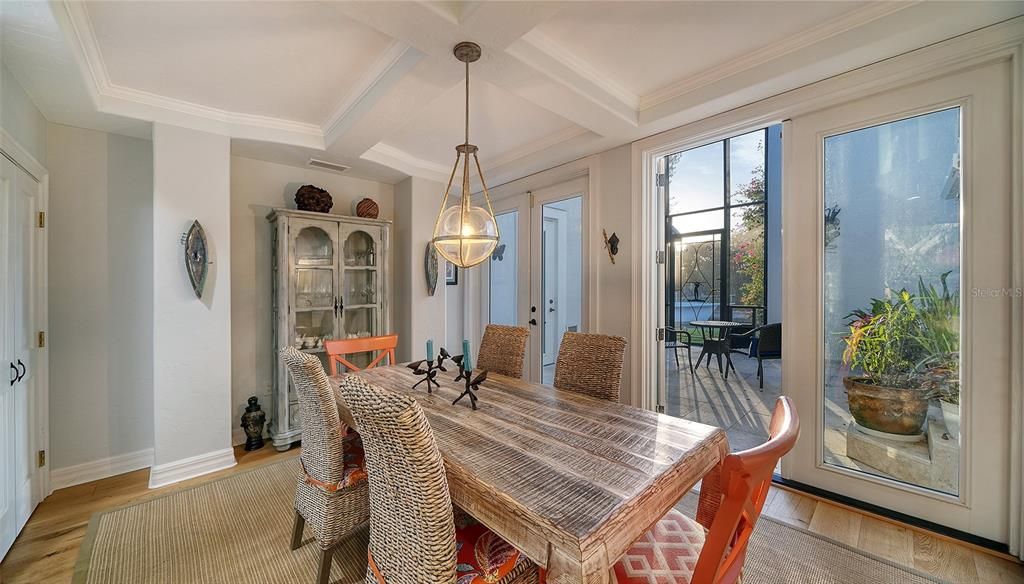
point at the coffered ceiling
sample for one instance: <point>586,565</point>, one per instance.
<point>373,85</point>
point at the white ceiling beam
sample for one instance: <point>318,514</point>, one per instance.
<point>497,26</point>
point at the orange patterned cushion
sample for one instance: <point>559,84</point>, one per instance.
<point>482,556</point>
<point>355,460</point>
<point>666,554</point>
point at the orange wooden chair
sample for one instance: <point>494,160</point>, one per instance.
<point>712,549</point>
<point>336,351</point>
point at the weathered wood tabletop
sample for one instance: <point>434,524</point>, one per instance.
<point>570,480</point>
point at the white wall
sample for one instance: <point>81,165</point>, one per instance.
<point>454,301</point>
<point>191,337</point>
<point>20,117</point>
<point>256,188</point>
<point>101,299</point>
<point>417,316</point>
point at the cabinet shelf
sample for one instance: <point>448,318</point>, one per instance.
<point>314,308</point>
<point>359,306</point>
<point>368,268</point>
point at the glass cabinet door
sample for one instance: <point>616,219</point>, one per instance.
<point>361,280</point>
<point>315,300</point>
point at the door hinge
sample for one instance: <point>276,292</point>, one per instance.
<point>660,408</point>
<point>659,256</point>
<point>41,339</point>
<point>42,458</point>
<point>532,199</point>
<point>661,333</point>
<point>661,179</point>
<point>41,221</point>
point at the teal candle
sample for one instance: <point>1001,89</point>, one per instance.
<point>430,349</point>
<point>467,362</point>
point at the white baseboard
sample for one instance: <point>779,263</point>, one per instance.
<point>100,469</point>
<point>187,468</point>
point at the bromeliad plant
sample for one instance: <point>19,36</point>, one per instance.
<point>908,341</point>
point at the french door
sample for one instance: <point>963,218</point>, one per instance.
<point>535,276</point>
<point>897,231</point>
<point>20,198</point>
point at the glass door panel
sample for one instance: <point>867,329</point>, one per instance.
<point>892,324</point>
<point>503,303</point>
<point>360,305</point>
<point>314,285</point>
<point>561,277</point>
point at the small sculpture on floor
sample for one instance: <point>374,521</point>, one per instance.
<point>430,372</point>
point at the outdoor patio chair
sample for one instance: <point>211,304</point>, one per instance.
<point>765,344</point>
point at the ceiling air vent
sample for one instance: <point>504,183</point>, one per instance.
<point>325,165</point>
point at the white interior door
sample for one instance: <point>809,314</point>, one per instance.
<point>920,181</point>
<point>535,277</point>
<point>19,204</point>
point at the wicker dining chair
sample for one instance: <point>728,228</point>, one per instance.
<point>503,349</point>
<point>414,536</point>
<point>590,364</point>
<point>332,494</point>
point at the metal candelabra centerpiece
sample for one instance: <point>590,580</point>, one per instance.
<point>472,383</point>
<point>432,367</point>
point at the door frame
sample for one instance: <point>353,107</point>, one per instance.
<point>1000,42</point>
<point>39,394</point>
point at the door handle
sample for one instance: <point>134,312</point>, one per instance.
<point>335,306</point>
<point>15,378</point>
<point>23,370</point>
<point>533,321</point>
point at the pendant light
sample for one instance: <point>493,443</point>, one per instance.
<point>465,234</point>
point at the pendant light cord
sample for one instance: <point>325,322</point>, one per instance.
<point>467,103</point>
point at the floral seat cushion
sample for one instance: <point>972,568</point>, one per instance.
<point>666,554</point>
<point>355,460</point>
<point>482,557</point>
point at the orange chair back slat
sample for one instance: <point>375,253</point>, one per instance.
<point>733,495</point>
<point>337,350</point>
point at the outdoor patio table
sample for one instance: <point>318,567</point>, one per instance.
<point>716,342</point>
<point>570,480</point>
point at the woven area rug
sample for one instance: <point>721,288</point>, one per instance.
<point>237,529</point>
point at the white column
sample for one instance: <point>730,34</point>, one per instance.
<point>417,315</point>
<point>191,336</point>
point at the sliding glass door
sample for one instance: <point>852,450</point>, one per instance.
<point>897,226</point>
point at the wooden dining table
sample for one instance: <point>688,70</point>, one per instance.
<point>569,480</point>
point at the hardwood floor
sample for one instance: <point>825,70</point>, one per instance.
<point>47,549</point>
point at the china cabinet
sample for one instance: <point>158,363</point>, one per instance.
<point>330,281</point>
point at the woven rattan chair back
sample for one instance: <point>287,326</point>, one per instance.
<point>322,429</point>
<point>503,349</point>
<point>412,530</point>
<point>590,364</point>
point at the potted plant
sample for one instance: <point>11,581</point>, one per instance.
<point>940,338</point>
<point>906,348</point>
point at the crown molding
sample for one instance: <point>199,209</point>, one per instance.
<point>111,98</point>
<point>402,161</point>
<point>538,145</point>
<point>389,68</point>
<point>816,34</point>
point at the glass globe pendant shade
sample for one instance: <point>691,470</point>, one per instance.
<point>465,234</point>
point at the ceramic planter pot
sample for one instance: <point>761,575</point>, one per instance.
<point>886,409</point>
<point>951,416</point>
